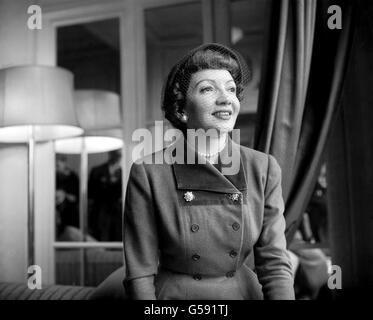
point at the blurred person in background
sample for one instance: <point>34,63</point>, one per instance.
<point>105,199</point>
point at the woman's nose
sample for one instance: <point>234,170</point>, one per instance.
<point>223,98</point>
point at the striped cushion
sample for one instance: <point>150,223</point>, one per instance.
<point>20,291</point>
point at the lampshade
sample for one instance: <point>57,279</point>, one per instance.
<point>36,102</point>
<point>98,114</point>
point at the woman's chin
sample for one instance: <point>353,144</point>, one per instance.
<point>221,128</point>
<point>225,128</point>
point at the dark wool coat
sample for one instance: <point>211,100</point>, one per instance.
<point>190,232</point>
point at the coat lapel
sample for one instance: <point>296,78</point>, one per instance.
<point>208,177</point>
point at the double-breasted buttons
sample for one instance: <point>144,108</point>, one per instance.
<point>230,274</point>
<point>194,227</point>
<point>197,277</point>
<point>196,257</point>
<point>233,254</point>
<point>189,196</point>
<point>236,226</point>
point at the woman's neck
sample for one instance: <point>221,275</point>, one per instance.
<point>209,146</point>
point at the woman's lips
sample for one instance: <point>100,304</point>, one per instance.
<point>223,115</point>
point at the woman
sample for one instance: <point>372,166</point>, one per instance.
<point>190,231</point>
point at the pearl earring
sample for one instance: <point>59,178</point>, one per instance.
<point>184,117</point>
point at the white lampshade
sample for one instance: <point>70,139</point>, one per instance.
<point>94,144</point>
<point>98,114</point>
<point>36,102</point>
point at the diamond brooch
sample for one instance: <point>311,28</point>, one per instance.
<point>234,196</point>
<point>189,196</point>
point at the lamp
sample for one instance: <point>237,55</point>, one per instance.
<point>98,114</point>
<point>36,104</point>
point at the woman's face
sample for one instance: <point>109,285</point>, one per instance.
<point>211,101</point>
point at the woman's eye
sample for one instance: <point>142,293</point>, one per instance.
<point>206,89</point>
<point>232,89</point>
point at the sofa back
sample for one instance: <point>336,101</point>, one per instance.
<point>20,291</point>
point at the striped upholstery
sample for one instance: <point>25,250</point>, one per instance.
<point>100,263</point>
<point>20,291</point>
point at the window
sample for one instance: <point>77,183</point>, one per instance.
<point>89,189</point>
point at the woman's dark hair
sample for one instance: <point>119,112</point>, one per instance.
<point>208,56</point>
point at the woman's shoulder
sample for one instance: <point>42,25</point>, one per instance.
<point>153,163</point>
<point>260,160</point>
<point>254,155</point>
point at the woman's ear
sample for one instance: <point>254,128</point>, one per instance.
<point>178,94</point>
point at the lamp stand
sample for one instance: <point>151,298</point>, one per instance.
<point>83,205</point>
<point>31,200</point>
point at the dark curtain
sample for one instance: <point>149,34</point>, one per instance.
<point>350,170</point>
<point>303,71</point>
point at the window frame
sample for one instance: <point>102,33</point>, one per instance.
<point>57,15</point>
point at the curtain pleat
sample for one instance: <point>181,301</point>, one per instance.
<point>302,79</point>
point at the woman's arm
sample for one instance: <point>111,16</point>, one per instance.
<point>272,261</point>
<point>140,237</point>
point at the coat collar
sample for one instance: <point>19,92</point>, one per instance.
<point>208,177</point>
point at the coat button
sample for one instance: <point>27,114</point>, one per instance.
<point>194,227</point>
<point>197,277</point>
<point>230,274</point>
<point>233,254</point>
<point>196,257</point>
<point>235,226</point>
